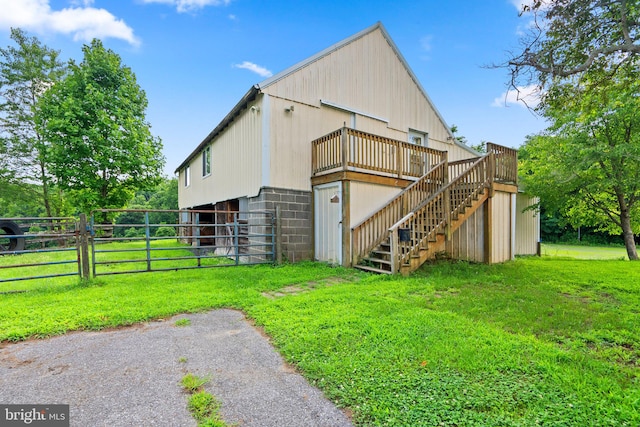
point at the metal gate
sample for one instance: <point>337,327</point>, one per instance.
<point>133,241</point>
<point>39,248</point>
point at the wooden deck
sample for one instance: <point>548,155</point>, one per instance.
<point>438,195</point>
<point>352,150</point>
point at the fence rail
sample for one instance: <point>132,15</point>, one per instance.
<point>192,239</point>
<point>57,236</point>
<point>133,241</point>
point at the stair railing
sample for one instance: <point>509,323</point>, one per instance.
<point>370,232</point>
<point>435,215</point>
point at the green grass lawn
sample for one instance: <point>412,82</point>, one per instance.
<point>537,341</point>
<point>584,252</point>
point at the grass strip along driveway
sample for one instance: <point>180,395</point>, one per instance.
<point>530,342</point>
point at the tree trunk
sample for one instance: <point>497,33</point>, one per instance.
<point>45,181</point>
<point>627,234</point>
<point>45,196</point>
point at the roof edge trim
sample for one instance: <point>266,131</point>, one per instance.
<point>250,96</point>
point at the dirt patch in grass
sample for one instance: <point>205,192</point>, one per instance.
<point>299,288</point>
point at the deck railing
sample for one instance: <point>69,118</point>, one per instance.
<point>350,149</point>
<point>435,214</point>
<point>373,230</point>
<point>506,163</point>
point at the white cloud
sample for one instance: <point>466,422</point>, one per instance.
<point>261,71</point>
<point>190,5</point>
<point>425,43</point>
<point>524,96</point>
<point>85,3</point>
<point>82,22</point>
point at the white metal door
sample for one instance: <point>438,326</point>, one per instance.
<point>328,222</point>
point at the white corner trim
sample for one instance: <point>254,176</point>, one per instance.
<point>266,146</point>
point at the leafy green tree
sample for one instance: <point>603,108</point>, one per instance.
<point>583,55</point>
<point>27,70</point>
<point>587,164</point>
<point>102,149</point>
<point>572,37</point>
<point>163,197</point>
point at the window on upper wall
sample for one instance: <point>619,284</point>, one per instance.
<point>418,138</point>
<point>206,161</point>
<point>187,176</point>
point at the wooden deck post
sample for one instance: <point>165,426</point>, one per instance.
<point>343,145</point>
<point>491,172</point>
<point>393,237</point>
<point>314,158</point>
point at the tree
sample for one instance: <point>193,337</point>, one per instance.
<point>571,37</point>
<point>102,149</point>
<point>588,162</point>
<point>583,55</point>
<point>26,72</point>
<point>161,198</point>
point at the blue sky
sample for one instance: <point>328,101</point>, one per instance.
<point>196,58</point>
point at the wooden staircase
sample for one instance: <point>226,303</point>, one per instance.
<point>400,241</point>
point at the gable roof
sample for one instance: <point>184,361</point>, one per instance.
<point>251,95</point>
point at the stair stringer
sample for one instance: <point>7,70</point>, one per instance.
<point>431,223</point>
<point>430,249</point>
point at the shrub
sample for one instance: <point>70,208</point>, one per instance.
<point>165,232</point>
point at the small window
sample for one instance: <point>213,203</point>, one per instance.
<point>187,176</point>
<point>206,161</point>
<point>418,138</point>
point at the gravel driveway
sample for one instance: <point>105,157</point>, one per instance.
<point>131,376</point>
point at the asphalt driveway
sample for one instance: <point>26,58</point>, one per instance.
<point>131,376</point>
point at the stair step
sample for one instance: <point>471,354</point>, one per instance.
<point>381,252</point>
<point>372,269</point>
<point>377,260</point>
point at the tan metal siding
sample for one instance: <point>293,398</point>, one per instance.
<point>455,151</point>
<point>527,225</point>
<point>501,233</point>
<point>236,156</point>
<point>364,76</point>
<point>291,134</point>
<point>367,198</point>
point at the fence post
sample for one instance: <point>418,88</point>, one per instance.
<point>197,239</point>
<point>147,236</point>
<point>84,246</point>
<point>236,237</point>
